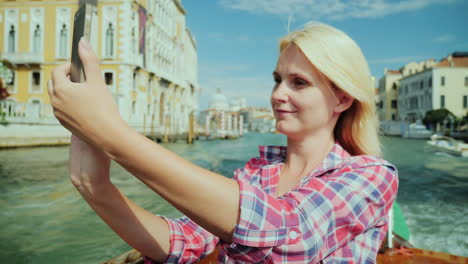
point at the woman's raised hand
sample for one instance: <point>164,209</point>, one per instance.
<point>86,109</point>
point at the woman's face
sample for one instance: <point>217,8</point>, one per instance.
<point>302,99</point>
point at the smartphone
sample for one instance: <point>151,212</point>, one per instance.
<point>84,18</point>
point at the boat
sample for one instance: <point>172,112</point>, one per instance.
<point>395,249</point>
<point>448,145</point>
<point>391,127</point>
<point>417,131</point>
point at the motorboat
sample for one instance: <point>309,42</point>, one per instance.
<point>417,130</point>
<point>448,145</point>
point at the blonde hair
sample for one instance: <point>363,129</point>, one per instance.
<point>340,59</point>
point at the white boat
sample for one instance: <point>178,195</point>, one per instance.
<point>417,130</point>
<point>391,127</point>
<point>449,145</point>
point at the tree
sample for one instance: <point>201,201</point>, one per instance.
<point>5,77</point>
<point>437,116</point>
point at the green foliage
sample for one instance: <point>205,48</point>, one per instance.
<point>438,116</point>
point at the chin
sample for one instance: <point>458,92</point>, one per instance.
<point>285,130</point>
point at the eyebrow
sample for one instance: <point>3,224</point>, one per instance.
<point>294,74</point>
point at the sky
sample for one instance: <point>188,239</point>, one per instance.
<point>237,40</point>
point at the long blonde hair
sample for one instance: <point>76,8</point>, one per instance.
<point>340,60</point>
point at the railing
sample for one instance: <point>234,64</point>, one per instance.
<point>22,57</point>
<point>26,113</point>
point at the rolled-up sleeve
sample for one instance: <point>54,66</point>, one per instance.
<point>189,242</point>
<point>324,213</point>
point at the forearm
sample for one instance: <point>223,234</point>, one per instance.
<point>211,200</point>
<point>144,231</point>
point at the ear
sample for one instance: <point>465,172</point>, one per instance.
<point>344,101</point>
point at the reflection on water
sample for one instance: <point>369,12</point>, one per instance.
<point>44,219</point>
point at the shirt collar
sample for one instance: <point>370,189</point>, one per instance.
<point>274,154</point>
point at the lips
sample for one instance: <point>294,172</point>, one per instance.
<point>280,111</point>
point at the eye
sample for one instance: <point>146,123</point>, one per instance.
<point>299,82</point>
<point>277,80</point>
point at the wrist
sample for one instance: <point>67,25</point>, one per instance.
<point>119,140</point>
<point>114,137</point>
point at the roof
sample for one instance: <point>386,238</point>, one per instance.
<point>394,71</point>
<point>453,62</point>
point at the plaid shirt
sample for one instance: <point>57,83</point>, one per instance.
<point>336,214</point>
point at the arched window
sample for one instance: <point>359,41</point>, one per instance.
<point>63,41</point>
<point>133,40</point>
<point>11,39</point>
<point>109,41</point>
<point>37,39</point>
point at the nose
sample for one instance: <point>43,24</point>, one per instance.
<point>280,93</point>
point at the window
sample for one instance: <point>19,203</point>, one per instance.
<point>394,86</point>
<point>109,78</point>
<point>421,85</point>
<point>442,101</point>
<point>134,80</point>
<point>109,41</point>
<point>393,117</point>
<point>394,104</point>
<point>36,78</point>
<point>430,82</point>
<point>36,82</point>
<point>12,81</point>
<point>133,107</point>
<point>442,81</point>
<point>133,40</point>
<point>37,39</point>
<point>63,42</point>
<point>466,81</point>
<point>150,85</point>
<point>465,101</point>
<point>11,39</point>
<point>36,101</point>
<point>11,84</point>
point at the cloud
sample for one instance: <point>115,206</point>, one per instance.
<point>444,38</point>
<point>401,60</point>
<point>329,9</point>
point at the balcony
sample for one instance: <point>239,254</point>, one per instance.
<point>27,59</point>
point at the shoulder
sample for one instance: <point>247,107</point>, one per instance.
<point>252,167</point>
<point>268,155</point>
<point>368,165</point>
<point>369,174</point>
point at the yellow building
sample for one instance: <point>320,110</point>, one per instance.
<point>388,95</point>
<point>141,43</point>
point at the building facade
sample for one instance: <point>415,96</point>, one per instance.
<point>388,95</point>
<point>440,85</point>
<point>148,57</point>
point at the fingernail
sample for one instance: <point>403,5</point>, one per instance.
<point>85,43</point>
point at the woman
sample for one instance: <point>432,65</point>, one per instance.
<point>323,198</point>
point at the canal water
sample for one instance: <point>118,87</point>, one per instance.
<point>44,220</point>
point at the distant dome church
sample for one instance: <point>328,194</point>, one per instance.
<point>219,101</point>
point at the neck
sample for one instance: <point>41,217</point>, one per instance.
<point>305,154</point>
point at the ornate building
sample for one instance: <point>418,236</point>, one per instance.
<point>148,58</point>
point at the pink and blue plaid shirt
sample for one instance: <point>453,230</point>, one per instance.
<point>336,214</point>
